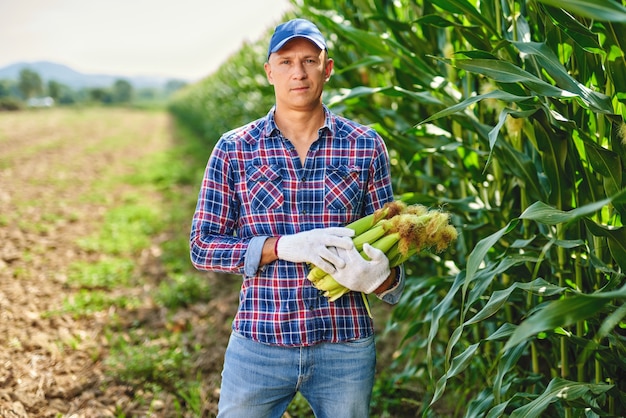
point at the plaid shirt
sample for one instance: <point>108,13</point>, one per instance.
<point>255,187</point>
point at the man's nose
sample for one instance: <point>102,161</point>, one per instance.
<point>299,71</point>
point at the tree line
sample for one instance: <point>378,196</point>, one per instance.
<point>31,90</point>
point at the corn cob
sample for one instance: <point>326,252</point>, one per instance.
<point>334,290</point>
<point>362,226</point>
<point>369,236</point>
<point>400,231</point>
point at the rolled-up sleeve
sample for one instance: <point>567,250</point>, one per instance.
<point>392,295</point>
<point>253,255</point>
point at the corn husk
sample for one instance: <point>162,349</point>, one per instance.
<point>400,231</point>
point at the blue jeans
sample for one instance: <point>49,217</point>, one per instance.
<point>260,380</point>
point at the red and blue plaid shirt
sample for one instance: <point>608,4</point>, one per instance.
<point>255,187</point>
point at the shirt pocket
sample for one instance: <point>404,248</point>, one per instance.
<point>265,187</point>
<point>343,188</point>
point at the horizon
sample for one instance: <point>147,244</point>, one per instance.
<point>148,76</point>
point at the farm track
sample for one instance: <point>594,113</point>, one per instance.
<point>50,164</point>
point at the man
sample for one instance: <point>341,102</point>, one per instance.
<point>275,197</point>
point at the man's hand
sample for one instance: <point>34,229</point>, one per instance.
<point>316,247</point>
<point>360,274</point>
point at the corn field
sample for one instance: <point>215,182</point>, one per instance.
<point>508,114</point>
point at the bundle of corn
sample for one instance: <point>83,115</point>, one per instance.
<point>400,231</point>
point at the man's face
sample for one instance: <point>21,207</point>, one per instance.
<point>298,72</point>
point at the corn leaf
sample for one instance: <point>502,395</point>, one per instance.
<point>439,311</point>
<point>522,166</point>
<point>496,94</point>
<point>616,240</point>
<point>495,132</point>
<point>563,312</point>
<point>499,297</point>
<point>463,7</point>
<point>541,287</point>
<point>608,164</point>
<point>608,10</point>
<point>540,212</point>
<point>555,150</point>
<point>479,252</point>
<point>506,363</point>
<point>507,72</point>
<point>575,30</point>
<point>610,322</point>
<point>559,389</point>
<point>459,363</point>
<point>498,410</point>
<point>616,61</point>
<point>503,332</point>
<point>491,271</point>
<point>393,91</point>
<point>362,63</point>
<point>549,62</point>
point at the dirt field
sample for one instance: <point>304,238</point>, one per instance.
<point>51,366</point>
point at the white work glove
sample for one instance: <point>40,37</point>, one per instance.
<point>359,274</point>
<point>313,247</point>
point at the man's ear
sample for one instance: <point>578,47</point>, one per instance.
<point>328,70</point>
<point>268,72</point>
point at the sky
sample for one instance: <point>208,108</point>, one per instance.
<point>186,39</point>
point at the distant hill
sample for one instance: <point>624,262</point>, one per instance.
<point>74,79</point>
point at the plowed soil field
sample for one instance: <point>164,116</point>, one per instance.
<point>51,163</point>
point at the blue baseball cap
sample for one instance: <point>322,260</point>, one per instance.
<point>296,28</point>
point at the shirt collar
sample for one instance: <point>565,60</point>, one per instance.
<point>271,128</point>
<point>270,123</point>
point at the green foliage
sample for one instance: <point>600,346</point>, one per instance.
<point>106,273</point>
<point>127,229</point>
<point>8,88</point>
<point>298,407</point>
<point>9,103</point>
<point>122,91</point>
<point>144,360</point>
<point>88,302</point>
<point>511,115</point>
<point>55,89</point>
<point>182,291</point>
<point>163,356</point>
<point>30,83</point>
